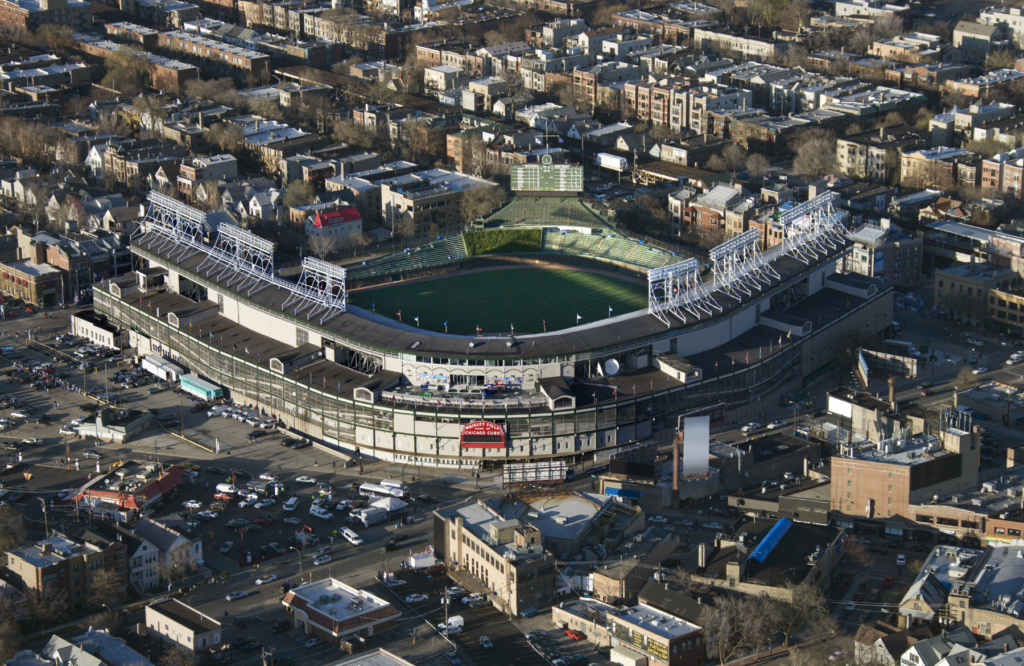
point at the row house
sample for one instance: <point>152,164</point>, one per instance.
<point>722,210</point>
<point>769,135</point>
<point>53,76</point>
<point>555,33</point>
<point>374,40</point>
<point>1001,174</point>
<point>147,38</point>
<point>940,168</point>
<point>28,15</point>
<point>589,41</point>
<point>753,76</point>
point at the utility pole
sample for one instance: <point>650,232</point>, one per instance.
<point>46,517</point>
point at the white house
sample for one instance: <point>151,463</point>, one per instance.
<point>155,549</point>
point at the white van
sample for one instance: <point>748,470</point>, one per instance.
<point>351,536</point>
<point>226,488</point>
<point>291,505</point>
<point>321,513</point>
<point>217,410</point>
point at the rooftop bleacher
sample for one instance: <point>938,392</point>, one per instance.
<point>610,248</point>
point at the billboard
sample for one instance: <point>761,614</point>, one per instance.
<point>482,435</point>
<point>696,444</point>
<point>515,474</point>
<point>613,162</point>
<point>547,178</point>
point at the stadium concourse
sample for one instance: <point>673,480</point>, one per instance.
<point>206,296</point>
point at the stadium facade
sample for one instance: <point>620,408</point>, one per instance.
<point>355,381</point>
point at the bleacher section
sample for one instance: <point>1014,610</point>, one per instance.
<point>433,254</point>
<point>544,212</point>
<point>612,248</point>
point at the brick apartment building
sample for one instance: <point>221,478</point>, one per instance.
<point>31,14</point>
<point>939,168</point>
<point>59,564</point>
<point>228,58</point>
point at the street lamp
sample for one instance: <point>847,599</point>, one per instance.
<point>300,560</point>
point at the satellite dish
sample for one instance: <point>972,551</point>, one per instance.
<point>611,366</point>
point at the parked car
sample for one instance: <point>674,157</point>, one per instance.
<point>226,547</point>
<point>239,594</point>
<point>263,580</point>
<point>415,598</point>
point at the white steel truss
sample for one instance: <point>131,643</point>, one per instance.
<point>812,229</point>
<point>739,267</point>
<point>179,227</point>
<point>243,257</point>
<point>677,289</point>
<point>320,289</point>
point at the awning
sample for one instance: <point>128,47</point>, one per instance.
<point>622,492</point>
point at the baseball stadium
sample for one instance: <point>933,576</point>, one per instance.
<point>567,339</point>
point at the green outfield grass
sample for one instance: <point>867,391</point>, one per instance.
<point>495,300</point>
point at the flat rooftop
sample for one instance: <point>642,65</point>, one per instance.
<point>995,394</point>
<point>912,451</point>
<point>656,622</point>
<point>335,599</point>
<point>949,563</point>
<point>995,580</point>
<point>786,563</point>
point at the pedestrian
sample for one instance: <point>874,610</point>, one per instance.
<point>316,464</point>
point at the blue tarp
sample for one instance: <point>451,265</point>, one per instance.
<point>770,540</point>
<point>621,492</point>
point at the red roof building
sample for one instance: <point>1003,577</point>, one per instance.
<point>337,224</point>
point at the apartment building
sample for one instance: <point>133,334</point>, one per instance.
<point>982,86</point>
<point>429,199</point>
<point>666,30</point>
<point>52,76</point>
<point>364,195</point>
<point>886,253</point>
<point>940,168</point>
<point>1010,19</point>
<point>876,155</point>
<point>1003,174</point>
<point>59,564</point>
<point>722,210</point>
<point>746,45</point>
<point>538,67</point>
<point>31,14</point>
<point>499,541</point>
<point>933,74</point>
<point>870,8</point>
<point>169,13</point>
<point>227,57</point>
<point>977,40</point>
<point>958,124</point>
<point>1006,309</point>
<point>215,167</point>
<point>912,47</point>
<point>167,75</point>
<point>587,82</point>
<point>555,33</point>
<point>963,289</point>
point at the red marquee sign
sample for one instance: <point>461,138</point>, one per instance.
<point>482,435</point>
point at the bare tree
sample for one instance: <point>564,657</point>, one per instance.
<point>815,152</point>
<point>758,165</point>
<point>105,588</point>
<point>806,605</point>
<point>357,242</point>
<point>10,639</point>
<point>761,623</point>
<point>735,156</point>
<point>298,193</point>
<point>226,136</point>
<point>517,89</point>
<point>322,246</point>
<point>178,656</point>
<point>405,228</point>
<point>965,379</point>
<point>479,202</point>
<point>109,122</point>
<point>12,528</point>
<point>724,626</point>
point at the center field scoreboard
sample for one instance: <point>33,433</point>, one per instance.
<point>547,178</point>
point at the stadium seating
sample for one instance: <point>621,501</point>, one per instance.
<point>545,212</point>
<point>432,254</point>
